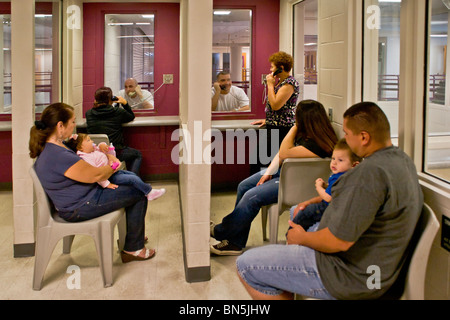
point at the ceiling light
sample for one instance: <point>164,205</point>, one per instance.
<point>222,13</point>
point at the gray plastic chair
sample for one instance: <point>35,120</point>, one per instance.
<point>297,179</point>
<point>99,137</point>
<point>51,228</point>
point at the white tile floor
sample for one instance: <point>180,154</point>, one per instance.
<point>162,277</point>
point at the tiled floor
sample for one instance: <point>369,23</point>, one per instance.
<point>160,278</point>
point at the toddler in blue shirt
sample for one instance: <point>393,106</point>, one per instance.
<point>310,212</point>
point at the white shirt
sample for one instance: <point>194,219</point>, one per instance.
<point>136,101</point>
<point>234,99</point>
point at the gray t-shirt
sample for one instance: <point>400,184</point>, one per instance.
<point>376,205</point>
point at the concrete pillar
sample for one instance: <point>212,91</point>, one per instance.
<point>195,118</point>
<point>236,63</point>
<point>22,69</point>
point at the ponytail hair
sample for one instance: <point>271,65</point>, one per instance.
<point>44,128</point>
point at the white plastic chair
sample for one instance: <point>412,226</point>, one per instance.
<point>426,230</point>
<point>51,228</point>
<point>297,179</point>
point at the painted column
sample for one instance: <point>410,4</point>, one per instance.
<point>195,119</point>
<point>22,69</point>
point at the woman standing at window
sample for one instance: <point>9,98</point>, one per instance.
<point>282,94</point>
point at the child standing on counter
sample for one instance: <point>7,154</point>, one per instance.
<point>101,155</point>
<point>309,212</point>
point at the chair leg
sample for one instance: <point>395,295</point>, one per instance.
<point>122,228</point>
<point>45,245</point>
<point>273,222</point>
<point>104,245</point>
<point>67,243</point>
<point>264,222</point>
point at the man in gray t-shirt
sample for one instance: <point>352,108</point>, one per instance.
<point>361,242</point>
<point>376,206</point>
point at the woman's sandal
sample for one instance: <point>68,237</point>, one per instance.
<point>128,257</point>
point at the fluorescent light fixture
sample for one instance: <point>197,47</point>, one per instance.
<point>42,15</point>
<point>437,23</point>
<point>148,16</point>
<point>221,12</point>
<point>120,24</point>
<point>137,36</point>
<point>438,35</point>
<point>143,23</point>
<point>311,44</point>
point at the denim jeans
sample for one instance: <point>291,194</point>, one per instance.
<point>128,178</point>
<point>310,215</point>
<point>107,200</point>
<point>235,227</point>
<point>275,269</point>
<point>132,158</point>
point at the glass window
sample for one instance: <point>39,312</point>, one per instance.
<point>231,59</point>
<point>305,48</point>
<point>129,58</point>
<point>5,59</point>
<point>46,92</point>
<point>437,143</point>
<point>382,58</point>
<point>46,76</point>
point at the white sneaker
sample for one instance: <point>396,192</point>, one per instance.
<point>155,194</point>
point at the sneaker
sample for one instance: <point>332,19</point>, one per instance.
<point>225,248</point>
<point>155,194</point>
<point>211,228</point>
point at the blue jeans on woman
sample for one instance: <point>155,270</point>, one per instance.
<point>275,269</point>
<point>106,200</point>
<point>235,227</point>
<point>128,178</point>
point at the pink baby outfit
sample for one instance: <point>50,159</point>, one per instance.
<point>97,159</point>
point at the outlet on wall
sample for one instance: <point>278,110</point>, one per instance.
<point>168,78</point>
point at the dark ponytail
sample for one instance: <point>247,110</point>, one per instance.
<point>45,127</point>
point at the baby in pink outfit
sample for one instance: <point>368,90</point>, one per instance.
<point>102,155</point>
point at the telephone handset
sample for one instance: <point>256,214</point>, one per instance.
<point>133,93</point>
<point>222,86</point>
<point>279,70</point>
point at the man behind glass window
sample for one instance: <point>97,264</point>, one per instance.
<point>226,97</point>
<point>136,97</point>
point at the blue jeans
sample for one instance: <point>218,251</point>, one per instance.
<point>132,158</point>
<point>235,227</point>
<point>107,200</point>
<point>128,178</point>
<point>275,269</point>
<point>310,215</point>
